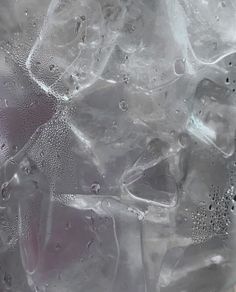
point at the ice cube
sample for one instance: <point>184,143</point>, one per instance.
<point>74,45</point>
<point>150,179</point>
<point>153,52</point>
<point>210,28</point>
<point>212,116</point>
<point>86,243</point>
<point>183,267</point>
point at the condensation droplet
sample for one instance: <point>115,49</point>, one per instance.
<point>184,140</point>
<point>6,103</point>
<point>68,225</point>
<point>5,191</point>
<point>126,79</point>
<point>7,280</point>
<point>90,243</point>
<point>58,246</point>
<point>223,3</point>
<point>179,66</point>
<point>51,67</point>
<point>15,148</point>
<point>123,105</point>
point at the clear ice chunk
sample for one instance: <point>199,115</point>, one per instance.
<point>150,54</point>
<point>86,243</point>
<point>212,116</point>
<point>210,28</point>
<point>149,179</point>
<point>74,45</point>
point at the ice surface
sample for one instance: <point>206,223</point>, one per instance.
<point>87,240</point>
<point>212,116</point>
<point>117,146</point>
<point>74,44</point>
<point>210,28</point>
<point>150,52</point>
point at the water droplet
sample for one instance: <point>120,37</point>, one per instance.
<point>95,188</point>
<point>51,67</point>
<point>184,140</point>
<point>179,66</point>
<point>5,191</point>
<point>90,243</point>
<point>3,146</point>
<point>58,246</point>
<point>15,148</point>
<point>126,79</point>
<point>123,105</point>
<point>26,12</point>
<point>211,208</point>
<point>7,280</point>
<point>25,166</point>
<point>223,4</point>
<point>68,225</point>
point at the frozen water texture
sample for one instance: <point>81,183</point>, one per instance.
<point>91,244</point>
<point>210,28</point>
<point>213,116</point>
<point>74,44</point>
<point>117,146</point>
